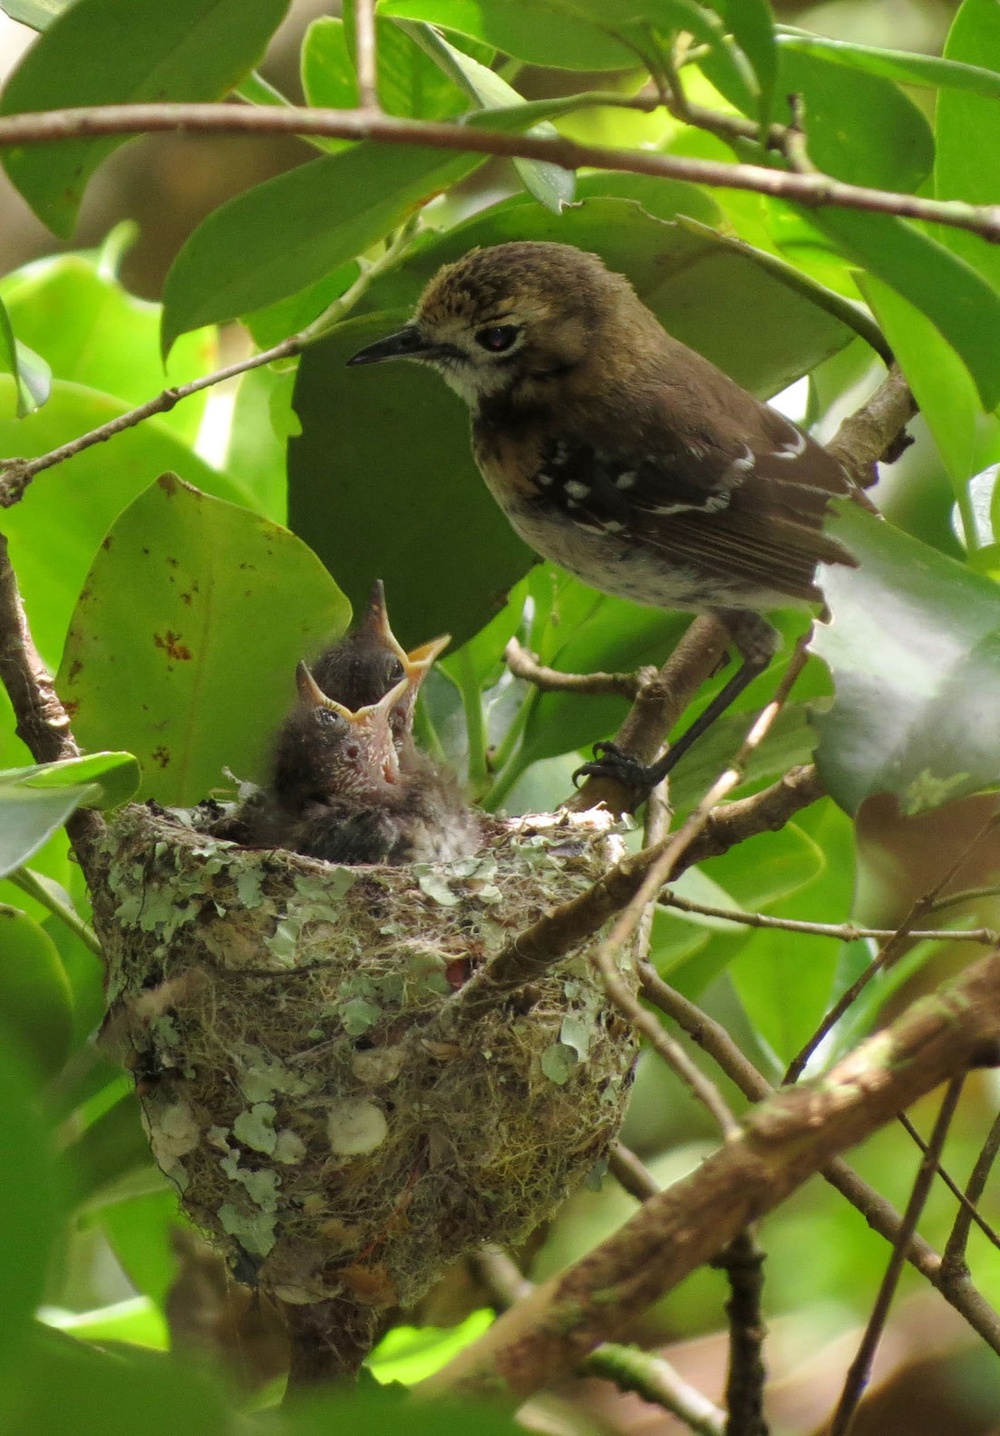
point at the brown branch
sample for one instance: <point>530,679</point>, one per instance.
<point>953,1263</point>
<point>811,190</point>
<point>524,664</point>
<point>874,432</point>
<point>42,722</point>
<point>743,1262</point>
<point>968,1211</point>
<point>631,1174</point>
<point>658,705</point>
<point>859,1373</point>
<point>786,1140</point>
<point>365,57</point>
<point>953,1283</point>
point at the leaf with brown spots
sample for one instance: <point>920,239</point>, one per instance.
<point>183,650</point>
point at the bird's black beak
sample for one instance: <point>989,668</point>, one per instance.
<point>409,343</point>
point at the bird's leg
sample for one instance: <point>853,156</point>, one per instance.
<point>757,641</point>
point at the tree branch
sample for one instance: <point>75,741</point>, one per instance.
<point>785,1141</point>
<point>812,190</point>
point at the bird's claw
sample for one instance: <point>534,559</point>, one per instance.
<point>609,761</point>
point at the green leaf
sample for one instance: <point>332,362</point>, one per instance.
<point>968,135</point>
<point>102,52</point>
<point>752,25</point>
<point>185,640</point>
<point>553,33</point>
<point>29,817</point>
<point>941,383</point>
<point>858,127</point>
<point>552,186</point>
<point>292,230</point>
<point>115,776</point>
<point>32,376</point>
<point>914,649</point>
<point>326,70</point>
<point>35,996</point>
<point>37,14</point>
<point>57,527</point>
<point>399,481</point>
<point>785,980</point>
<point>903,66</point>
<point>948,290</point>
<point>93,332</point>
<point>28,1207</point>
<point>409,82</point>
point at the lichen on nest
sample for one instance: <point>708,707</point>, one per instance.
<point>286,1023</point>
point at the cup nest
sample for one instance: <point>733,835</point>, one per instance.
<point>310,1083</point>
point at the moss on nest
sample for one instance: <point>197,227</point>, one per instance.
<point>286,1023</point>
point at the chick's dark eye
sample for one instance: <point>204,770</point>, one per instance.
<point>497,338</point>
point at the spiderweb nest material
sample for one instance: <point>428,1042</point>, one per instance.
<point>287,1022</point>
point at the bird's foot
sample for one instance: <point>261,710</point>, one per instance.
<point>610,761</point>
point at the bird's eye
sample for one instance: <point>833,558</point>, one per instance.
<point>327,718</point>
<point>498,337</point>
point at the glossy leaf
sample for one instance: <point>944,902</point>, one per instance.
<point>914,650</point>
<point>410,83</point>
<point>29,817</point>
<point>34,993</point>
<point>752,25</point>
<point>858,126</point>
<point>115,775</point>
<point>326,71</point>
<point>943,286</point>
<point>32,376</point>
<point>941,384</point>
<point>38,14</point>
<point>124,51</point>
<point>57,527</point>
<point>294,229</point>
<point>185,641</point>
<point>968,134</point>
<point>368,493</point>
<point>543,32</point>
<point>93,332</point>
<point>550,185</point>
<point>904,66</point>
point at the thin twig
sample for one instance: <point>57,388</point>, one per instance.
<point>524,664</point>
<point>888,954</point>
<point>17,474</point>
<point>968,1210</point>
<point>660,870</point>
<point>631,1174</point>
<point>846,931</point>
<point>743,1262</point>
<point>992,890</point>
<point>953,1261</point>
<point>860,1371</point>
<point>880,1215</point>
<point>649,1376</point>
<point>473,135</point>
<point>365,58</point>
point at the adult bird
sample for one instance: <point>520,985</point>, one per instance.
<point>623,455</point>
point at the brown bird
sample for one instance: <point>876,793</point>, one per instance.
<point>623,455</point>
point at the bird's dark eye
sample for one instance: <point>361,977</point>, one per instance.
<point>327,718</point>
<point>498,337</point>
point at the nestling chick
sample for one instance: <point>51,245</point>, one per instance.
<point>358,671</point>
<point>623,455</point>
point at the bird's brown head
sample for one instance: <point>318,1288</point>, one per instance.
<point>361,668</point>
<point>510,318</point>
<point>326,750</point>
